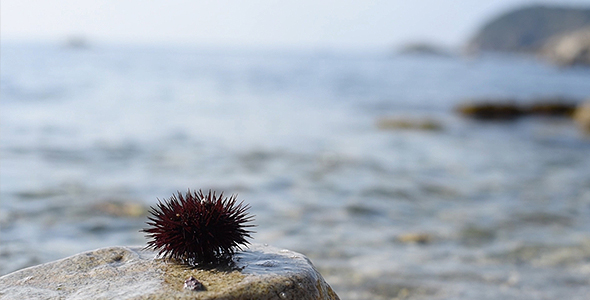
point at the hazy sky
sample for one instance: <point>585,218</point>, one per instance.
<point>361,24</point>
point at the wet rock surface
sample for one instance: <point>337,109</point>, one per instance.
<point>261,272</point>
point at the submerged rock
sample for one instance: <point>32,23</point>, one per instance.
<point>415,124</point>
<point>491,111</point>
<point>122,208</point>
<point>261,272</point>
<point>509,110</point>
<point>552,107</point>
<point>415,238</point>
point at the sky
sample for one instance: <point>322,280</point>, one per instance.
<point>311,24</point>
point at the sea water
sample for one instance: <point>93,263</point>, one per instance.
<point>90,138</point>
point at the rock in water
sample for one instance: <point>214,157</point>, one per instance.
<point>582,116</point>
<point>260,272</point>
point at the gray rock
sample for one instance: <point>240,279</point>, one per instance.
<point>527,29</point>
<point>582,116</point>
<point>424,48</point>
<point>569,49</point>
<point>260,272</point>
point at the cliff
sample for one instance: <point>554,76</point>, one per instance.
<point>572,48</point>
<point>527,29</point>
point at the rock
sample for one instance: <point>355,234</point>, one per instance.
<point>424,49</point>
<point>582,116</point>
<point>527,29</point>
<point>393,123</point>
<point>509,110</point>
<point>415,238</point>
<point>260,272</point>
<point>122,209</point>
<point>473,235</point>
<point>552,107</point>
<point>491,111</point>
<point>569,49</point>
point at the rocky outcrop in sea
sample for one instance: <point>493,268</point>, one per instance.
<point>528,29</point>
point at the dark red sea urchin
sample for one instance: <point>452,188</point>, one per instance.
<point>199,229</point>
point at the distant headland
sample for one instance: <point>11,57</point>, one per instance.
<point>561,34</point>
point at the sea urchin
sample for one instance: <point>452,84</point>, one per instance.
<point>198,229</point>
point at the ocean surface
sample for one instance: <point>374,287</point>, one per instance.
<point>90,138</point>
